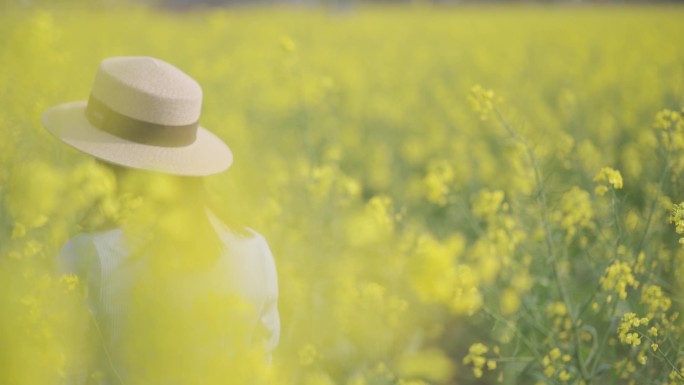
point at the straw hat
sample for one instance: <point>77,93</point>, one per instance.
<point>142,113</point>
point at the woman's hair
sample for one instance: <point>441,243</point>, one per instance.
<point>166,216</point>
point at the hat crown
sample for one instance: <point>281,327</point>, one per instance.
<point>148,89</point>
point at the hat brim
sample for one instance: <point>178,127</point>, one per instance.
<point>206,156</point>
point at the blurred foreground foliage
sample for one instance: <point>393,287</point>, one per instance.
<point>426,231</point>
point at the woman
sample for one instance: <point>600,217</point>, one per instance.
<point>176,295</point>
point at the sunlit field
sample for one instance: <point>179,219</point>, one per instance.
<point>455,195</point>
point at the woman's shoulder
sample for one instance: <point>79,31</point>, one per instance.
<point>251,257</point>
<point>244,244</point>
<point>85,248</point>
<point>247,244</point>
<point>236,235</point>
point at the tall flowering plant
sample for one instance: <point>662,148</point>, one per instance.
<point>604,302</point>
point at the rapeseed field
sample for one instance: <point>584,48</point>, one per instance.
<point>453,195</point>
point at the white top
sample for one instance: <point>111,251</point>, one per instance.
<point>245,268</point>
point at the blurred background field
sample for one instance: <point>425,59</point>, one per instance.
<point>413,214</point>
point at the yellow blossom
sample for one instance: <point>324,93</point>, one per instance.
<point>618,278</point>
<point>549,371</point>
<point>69,280</point>
<point>627,329</point>
<point>574,212</point>
<point>475,357</point>
<point>440,174</point>
<point>656,301</point>
<point>481,101</point>
<point>641,358</point>
<point>564,375</point>
<point>612,177</point>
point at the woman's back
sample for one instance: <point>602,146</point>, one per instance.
<point>159,325</point>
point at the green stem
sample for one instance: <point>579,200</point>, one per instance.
<point>514,359</point>
<point>511,325</point>
<point>652,209</point>
<point>663,355</point>
<point>548,236</point>
<point>596,357</point>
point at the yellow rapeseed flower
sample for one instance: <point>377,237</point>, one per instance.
<point>618,278</point>
<point>70,281</point>
<point>564,375</point>
<point>608,177</point>
<point>627,332</point>
<point>481,101</point>
<point>475,357</point>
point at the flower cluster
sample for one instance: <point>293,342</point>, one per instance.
<point>555,365</point>
<point>606,178</point>
<point>481,101</point>
<point>669,120</point>
<point>476,357</point>
<point>655,300</point>
<point>575,212</point>
<point>618,278</point>
<point>677,219</point>
<point>439,176</point>
<point>628,329</point>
